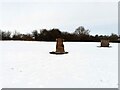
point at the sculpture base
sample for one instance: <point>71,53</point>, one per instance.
<point>58,52</point>
<point>104,46</point>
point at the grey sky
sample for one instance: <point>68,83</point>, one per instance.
<point>98,17</point>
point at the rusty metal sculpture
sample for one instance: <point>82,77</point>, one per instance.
<point>59,47</point>
<point>105,43</point>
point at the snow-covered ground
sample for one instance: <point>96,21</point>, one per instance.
<point>29,65</point>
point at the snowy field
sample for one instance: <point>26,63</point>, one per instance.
<point>27,64</point>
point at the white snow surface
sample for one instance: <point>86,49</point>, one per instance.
<point>28,64</point>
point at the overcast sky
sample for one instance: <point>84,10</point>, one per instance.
<point>24,16</point>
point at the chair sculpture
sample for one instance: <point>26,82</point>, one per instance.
<point>59,47</point>
<point>105,43</point>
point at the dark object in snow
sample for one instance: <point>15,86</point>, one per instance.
<point>58,52</point>
<point>12,68</point>
<point>20,70</point>
<point>105,43</point>
<point>59,47</point>
<point>105,47</point>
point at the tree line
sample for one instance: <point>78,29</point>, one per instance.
<point>80,34</point>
